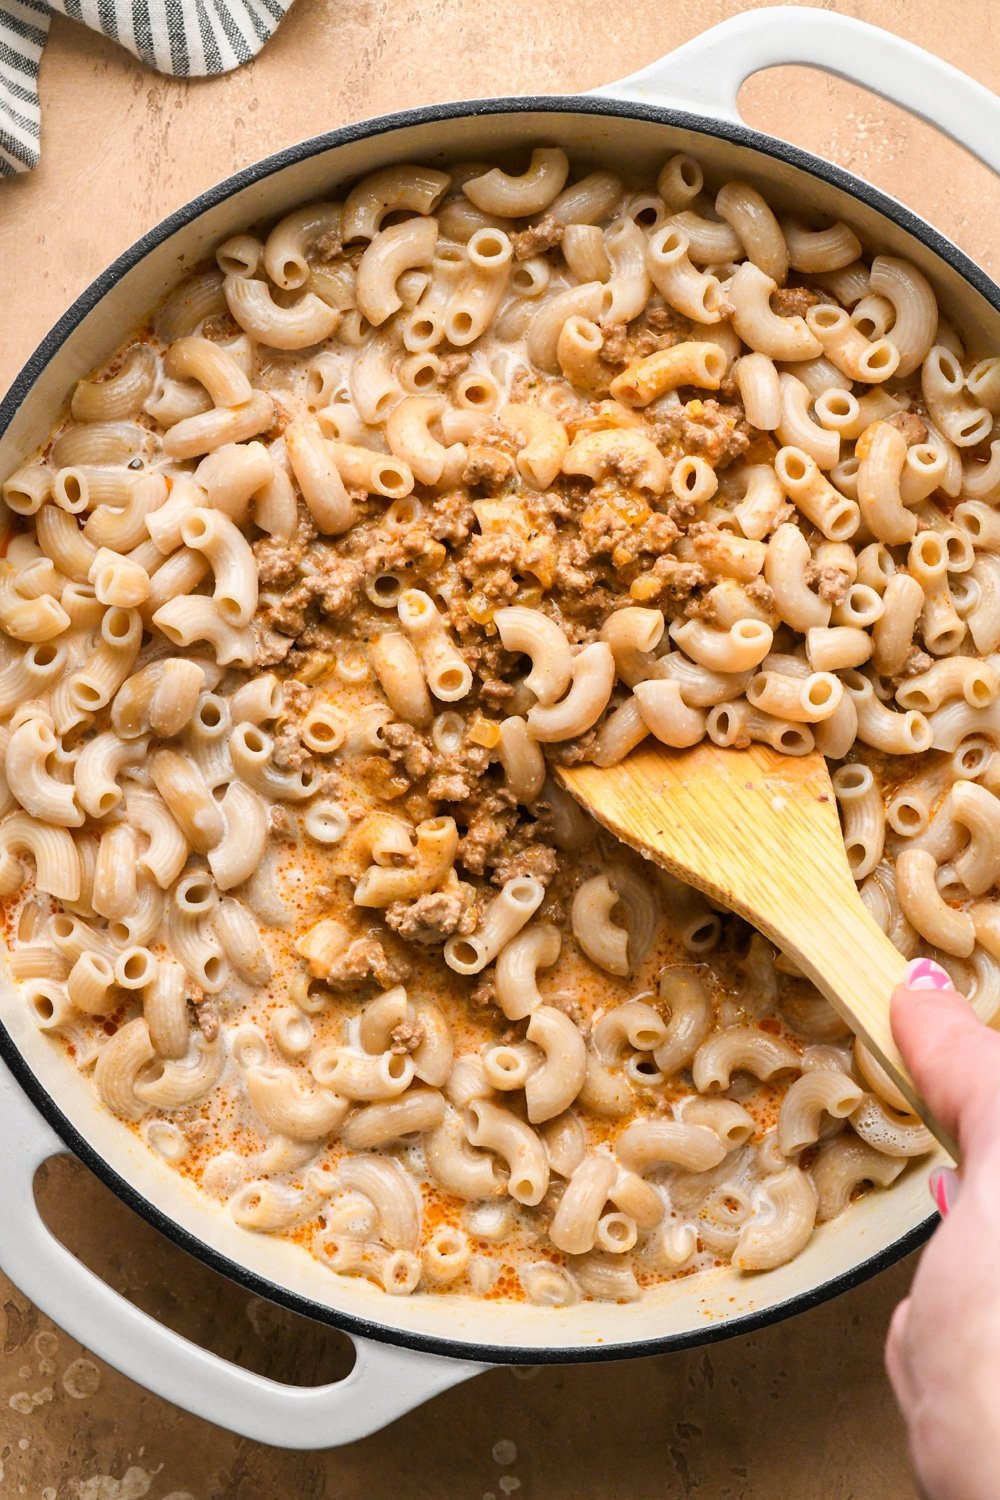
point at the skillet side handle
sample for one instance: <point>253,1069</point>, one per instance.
<point>384,1384</point>
<point>705,74</point>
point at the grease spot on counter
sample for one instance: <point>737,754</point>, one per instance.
<point>133,1485</point>
<point>81,1380</point>
<point>504,1451</point>
<point>25,1402</point>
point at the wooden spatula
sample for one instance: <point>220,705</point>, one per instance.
<point>759,832</point>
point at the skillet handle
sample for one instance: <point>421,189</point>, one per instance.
<point>384,1384</point>
<point>705,74</point>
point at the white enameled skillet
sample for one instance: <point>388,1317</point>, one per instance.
<point>410,1348</point>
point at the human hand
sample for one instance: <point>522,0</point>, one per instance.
<point>943,1349</point>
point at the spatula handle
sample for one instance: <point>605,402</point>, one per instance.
<point>852,962</point>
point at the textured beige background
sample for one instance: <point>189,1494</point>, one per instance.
<point>799,1411</point>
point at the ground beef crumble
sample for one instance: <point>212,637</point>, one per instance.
<point>453,365</point>
<point>538,238</point>
<point>408,747</point>
<point>831,583</point>
<point>434,916</point>
<point>366,959</point>
<point>277,561</point>
<point>206,1015</point>
<point>290,754</point>
<point>540,861</point>
<point>614,349</point>
<point>793,301</point>
<point>485,993</point>
<point>761,593</point>
<point>663,319</point>
<point>713,431</point>
<point>270,648</point>
<point>406,1037</point>
<point>279,821</point>
<point>917,661</point>
<point>452,775</point>
<point>912,426</point>
<point>490,826</point>
<point>488,467</point>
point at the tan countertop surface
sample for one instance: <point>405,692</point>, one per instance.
<point>800,1411</point>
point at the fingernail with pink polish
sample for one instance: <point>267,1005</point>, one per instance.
<point>925,974</point>
<point>943,1185</point>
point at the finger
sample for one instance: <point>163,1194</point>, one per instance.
<point>944,1184</point>
<point>896,1361</point>
<point>954,1060</point>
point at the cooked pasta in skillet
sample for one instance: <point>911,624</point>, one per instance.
<point>396,505</point>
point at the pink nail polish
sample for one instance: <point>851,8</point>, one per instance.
<point>925,974</point>
<point>943,1184</point>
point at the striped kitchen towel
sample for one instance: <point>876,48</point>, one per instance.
<point>186,37</point>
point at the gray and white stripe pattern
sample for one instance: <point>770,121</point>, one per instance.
<point>185,37</point>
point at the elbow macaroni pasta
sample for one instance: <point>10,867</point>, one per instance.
<point>443,481</point>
